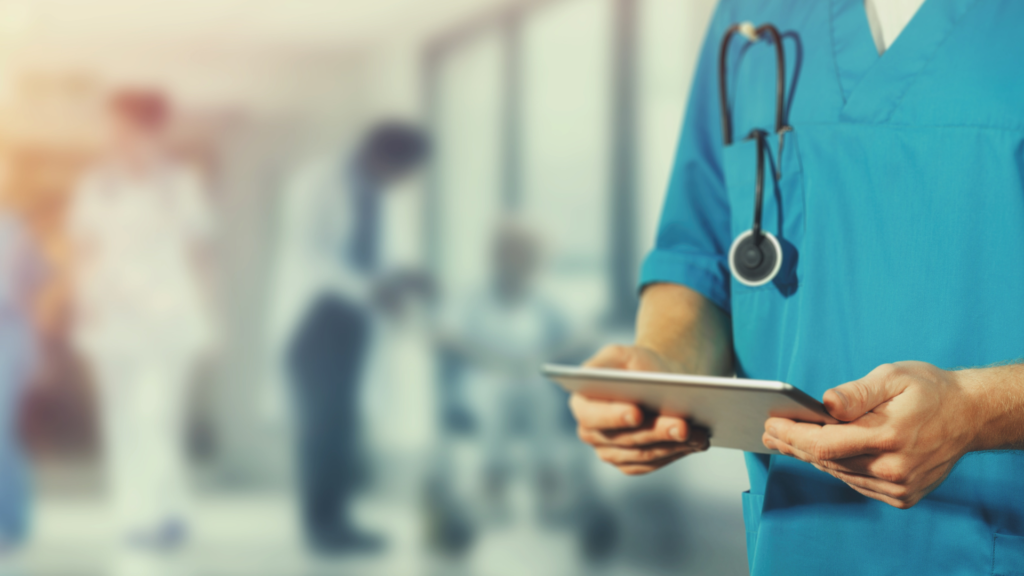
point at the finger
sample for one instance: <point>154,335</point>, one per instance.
<point>638,469</point>
<point>852,400</point>
<point>667,429</point>
<point>882,498</point>
<point>642,454</point>
<point>659,429</point>
<point>828,442</point>
<point>857,485</point>
<point>863,465</point>
<point>773,443</point>
<point>888,489</point>
<point>880,474</point>
<point>604,414</point>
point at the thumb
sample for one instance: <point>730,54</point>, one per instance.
<point>852,400</point>
<point>613,356</point>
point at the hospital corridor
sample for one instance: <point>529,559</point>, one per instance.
<point>277,279</point>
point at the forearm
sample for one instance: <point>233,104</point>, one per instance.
<point>996,398</point>
<point>683,326</point>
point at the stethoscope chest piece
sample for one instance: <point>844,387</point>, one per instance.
<point>753,262</point>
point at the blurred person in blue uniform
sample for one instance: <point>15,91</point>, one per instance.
<point>898,200</point>
<point>329,289</point>
<point>21,273</point>
<point>140,225</point>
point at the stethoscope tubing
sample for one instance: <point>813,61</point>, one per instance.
<point>752,34</point>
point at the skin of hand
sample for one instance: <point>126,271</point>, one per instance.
<point>905,426</point>
<point>678,330</point>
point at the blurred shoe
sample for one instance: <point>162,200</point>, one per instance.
<point>346,541</point>
<point>169,536</point>
<point>598,533</point>
<point>495,506</point>
<point>448,528</point>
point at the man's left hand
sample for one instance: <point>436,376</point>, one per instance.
<point>905,426</point>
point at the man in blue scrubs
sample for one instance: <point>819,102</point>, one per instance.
<point>898,198</point>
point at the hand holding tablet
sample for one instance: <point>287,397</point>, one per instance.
<point>732,410</point>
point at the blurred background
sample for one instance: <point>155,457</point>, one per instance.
<point>277,277</point>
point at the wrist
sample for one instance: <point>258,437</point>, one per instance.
<point>973,407</point>
<point>992,406</point>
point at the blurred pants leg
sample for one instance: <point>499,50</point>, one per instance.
<point>143,404</point>
<point>326,360</point>
<point>14,485</point>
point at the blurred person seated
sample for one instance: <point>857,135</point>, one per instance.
<point>330,288</point>
<point>499,336</point>
<point>139,223</point>
<point>503,333</point>
<point>21,274</point>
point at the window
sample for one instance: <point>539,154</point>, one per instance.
<point>468,132</point>
<point>566,135</point>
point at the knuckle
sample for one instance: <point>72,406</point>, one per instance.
<point>897,370</point>
<point>632,416</point>
<point>897,471</point>
<point>895,475</point>
<point>832,398</point>
<point>577,405</point>
<point>615,350</point>
<point>904,504</point>
<point>645,455</point>
<point>625,441</point>
<point>857,392</point>
<point>822,452</point>
<point>889,440</point>
<point>901,493</point>
<point>885,370</point>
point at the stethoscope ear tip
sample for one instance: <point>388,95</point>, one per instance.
<point>748,30</point>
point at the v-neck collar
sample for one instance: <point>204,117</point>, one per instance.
<point>873,85</point>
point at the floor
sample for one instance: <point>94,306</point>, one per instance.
<point>680,521</point>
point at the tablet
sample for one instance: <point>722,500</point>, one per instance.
<point>732,409</point>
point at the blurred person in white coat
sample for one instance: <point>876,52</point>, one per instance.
<point>329,289</point>
<point>139,222</point>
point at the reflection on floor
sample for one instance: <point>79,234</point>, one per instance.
<point>685,520</point>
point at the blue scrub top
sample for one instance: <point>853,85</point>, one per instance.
<point>900,207</point>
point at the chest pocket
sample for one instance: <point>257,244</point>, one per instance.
<point>783,210</point>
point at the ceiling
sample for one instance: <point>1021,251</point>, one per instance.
<point>71,26</point>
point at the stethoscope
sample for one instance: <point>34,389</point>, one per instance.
<point>755,256</point>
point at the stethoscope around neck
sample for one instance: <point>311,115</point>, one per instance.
<point>755,256</point>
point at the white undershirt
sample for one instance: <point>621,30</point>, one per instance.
<point>888,18</point>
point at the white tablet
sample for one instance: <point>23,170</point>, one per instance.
<point>733,409</point>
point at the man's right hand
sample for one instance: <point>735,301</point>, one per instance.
<point>624,435</point>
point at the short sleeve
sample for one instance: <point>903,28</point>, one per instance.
<point>693,233</point>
